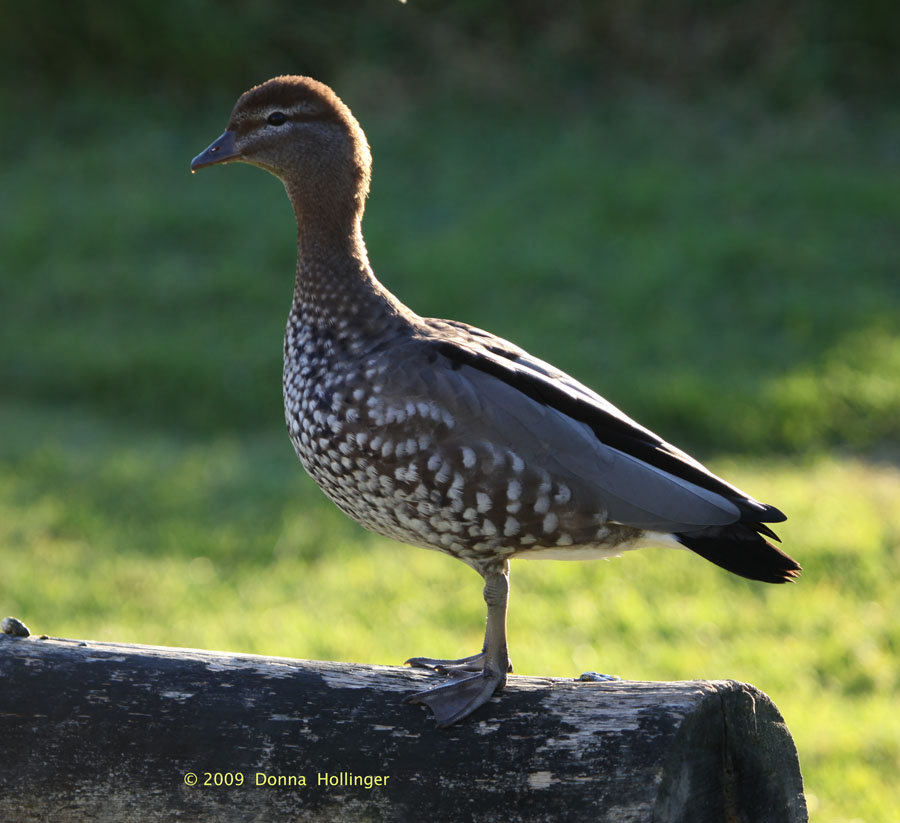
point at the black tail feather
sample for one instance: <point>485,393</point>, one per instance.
<point>762,528</point>
<point>740,548</point>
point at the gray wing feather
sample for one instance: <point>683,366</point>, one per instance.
<point>485,409</point>
<point>633,492</point>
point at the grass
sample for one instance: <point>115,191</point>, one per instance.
<point>595,246</point>
<point>728,278</point>
<point>225,544</point>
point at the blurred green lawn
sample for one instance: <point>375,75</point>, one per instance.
<point>729,278</point>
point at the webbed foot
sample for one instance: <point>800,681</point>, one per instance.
<point>473,680</point>
<point>454,668</point>
<point>460,697</point>
<point>473,663</point>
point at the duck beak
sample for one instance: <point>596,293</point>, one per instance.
<point>220,151</point>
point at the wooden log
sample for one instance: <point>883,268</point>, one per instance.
<point>111,732</point>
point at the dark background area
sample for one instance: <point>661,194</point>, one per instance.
<point>784,50</point>
<point>692,206</point>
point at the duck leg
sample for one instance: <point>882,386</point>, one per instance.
<point>466,690</point>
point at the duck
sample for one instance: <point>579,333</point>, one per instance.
<point>444,436</point>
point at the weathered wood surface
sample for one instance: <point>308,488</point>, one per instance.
<point>111,732</point>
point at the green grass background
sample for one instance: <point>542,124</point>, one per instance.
<point>721,266</point>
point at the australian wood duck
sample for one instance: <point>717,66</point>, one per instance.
<point>444,436</point>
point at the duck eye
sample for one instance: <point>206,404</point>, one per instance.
<point>277,118</point>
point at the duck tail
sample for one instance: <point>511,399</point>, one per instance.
<point>742,549</point>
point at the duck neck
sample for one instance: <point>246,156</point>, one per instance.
<point>335,289</point>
